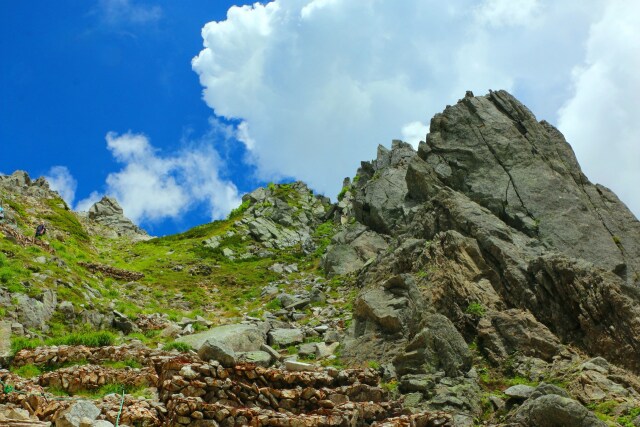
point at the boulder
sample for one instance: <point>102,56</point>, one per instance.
<point>122,323</point>
<point>238,337</point>
<point>73,415</point>
<point>170,331</point>
<point>36,312</point>
<point>66,308</point>
<point>331,336</point>
<point>324,350</point>
<point>285,337</point>
<point>259,358</point>
<point>520,391</point>
<point>5,343</point>
<point>552,410</point>
<point>271,351</point>
<point>294,365</point>
<point>213,349</point>
<point>341,259</point>
<point>307,349</point>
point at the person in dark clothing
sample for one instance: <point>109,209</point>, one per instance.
<point>40,230</point>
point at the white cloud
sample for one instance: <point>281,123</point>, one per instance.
<point>508,12</point>
<point>129,147</point>
<point>84,204</point>
<point>414,132</point>
<point>602,119</point>
<point>317,84</point>
<point>244,136</point>
<point>151,187</point>
<point>61,180</point>
<point>118,12</point>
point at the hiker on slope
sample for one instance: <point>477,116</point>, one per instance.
<point>40,230</point>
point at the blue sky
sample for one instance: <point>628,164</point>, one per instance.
<point>178,108</point>
<point>75,70</point>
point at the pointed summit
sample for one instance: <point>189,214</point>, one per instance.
<point>109,213</point>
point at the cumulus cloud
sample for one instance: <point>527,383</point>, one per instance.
<point>602,118</point>
<point>151,187</point>
<point>414,132</point>
<point>84,204</point>
<point>61,180</point>
<point>317,84</point>
<point>118,12</point>
<point>508,12</point>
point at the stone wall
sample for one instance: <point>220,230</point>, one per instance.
<point>192,392</point>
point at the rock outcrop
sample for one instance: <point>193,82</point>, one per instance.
<point>107,212</point>
<point>502,233</point>
<point>283,215</point>
<point>21,183</point>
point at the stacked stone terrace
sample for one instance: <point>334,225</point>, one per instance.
<point>191,392</point>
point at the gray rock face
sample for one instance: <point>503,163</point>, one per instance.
<point>238,337</point>
<point>36,312</point>
<point>502,334</point>
<point>439,346</point>
<point>393,308</point>
<point>383,318</point>
<point>510,221</point>
<point>341,259</point>
<point>351,249</point>
<point>72,416</point>
<point>525,173</point>
<point>503,234</point>
<point>382,206</point>
<point>108,212</point>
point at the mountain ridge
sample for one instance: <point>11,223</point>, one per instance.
<point>482,278</point>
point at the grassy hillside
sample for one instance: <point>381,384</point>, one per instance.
<point>182,275</point>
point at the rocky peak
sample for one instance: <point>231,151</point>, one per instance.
<point>20,182</point>
<point>108,213</point>
<point>493,150</point>
<point>492,224</point>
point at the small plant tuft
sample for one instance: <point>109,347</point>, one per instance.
<point>476,309</point>
<point>373,364</point>
<point>20,343</point>
<point>180,346</point>
<point>89,339</point>
<point>27,371</point>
